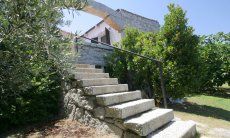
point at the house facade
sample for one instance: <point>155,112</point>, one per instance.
<point>110,30</point>
<point>103,32</point>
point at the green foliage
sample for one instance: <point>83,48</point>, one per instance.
<point>190,63</point>
<point>30,70</point>
<point>175,44</point>
<point>215,60</point>
<point>180,53</point>
<point>138,72</point>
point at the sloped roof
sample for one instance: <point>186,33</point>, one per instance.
<point>130,19</point>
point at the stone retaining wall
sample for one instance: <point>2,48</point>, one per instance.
<point>83,108</point>
<point>91,53</point>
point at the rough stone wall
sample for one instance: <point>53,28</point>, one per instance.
<point>90,53</point>
<point>139,22</point>
<point>77,105</point>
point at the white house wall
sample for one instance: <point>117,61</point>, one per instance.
<point>99,31</point>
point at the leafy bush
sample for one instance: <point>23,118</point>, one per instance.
<point>175,44</point>
<point>137,72</point>
<point>215,60</point>
<point>30,70</point>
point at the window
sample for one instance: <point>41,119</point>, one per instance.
<point>106,37</point>
<point>103,39</point>
<point>107,34</point>
<point>96,40</point>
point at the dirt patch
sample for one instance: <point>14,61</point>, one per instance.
<point>63,128</point>
<point>207,127</point>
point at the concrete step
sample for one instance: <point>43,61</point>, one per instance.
<point>128,109</point>
<point>97,90</point>
<point>114,98</point>
<point>98,82</point>
<point>85,66</point>
<point>80,76</point>
<point>88,70</point>
<point>145,123</point>
<point>175,129</point>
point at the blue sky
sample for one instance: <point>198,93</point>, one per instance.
<point>206,16</point>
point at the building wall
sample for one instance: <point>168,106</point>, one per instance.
<point>99,31</point>
<point>91,53</point>
<point>139,22</point>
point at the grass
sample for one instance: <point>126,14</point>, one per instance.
<point>210,106</point>
<point>216,105</point>
<point>211,112</point>
<point>212,101</point>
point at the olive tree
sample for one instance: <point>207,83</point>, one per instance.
<point>29,67</point>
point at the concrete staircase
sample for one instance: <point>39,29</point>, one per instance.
<point>138,116</point>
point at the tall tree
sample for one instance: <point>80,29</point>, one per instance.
<point>181,53</point>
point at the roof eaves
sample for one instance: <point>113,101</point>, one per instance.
<point>94,26</point>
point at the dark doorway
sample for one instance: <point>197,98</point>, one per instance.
<point>106,37</point>
<point>96,40</point>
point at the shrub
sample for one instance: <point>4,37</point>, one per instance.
<point>139,73</point>
<point>215,61</point>
<point>30,72</point>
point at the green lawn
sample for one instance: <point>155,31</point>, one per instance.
<point>212,113</point>
<point>206,105</point>
<point>212,101</point>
